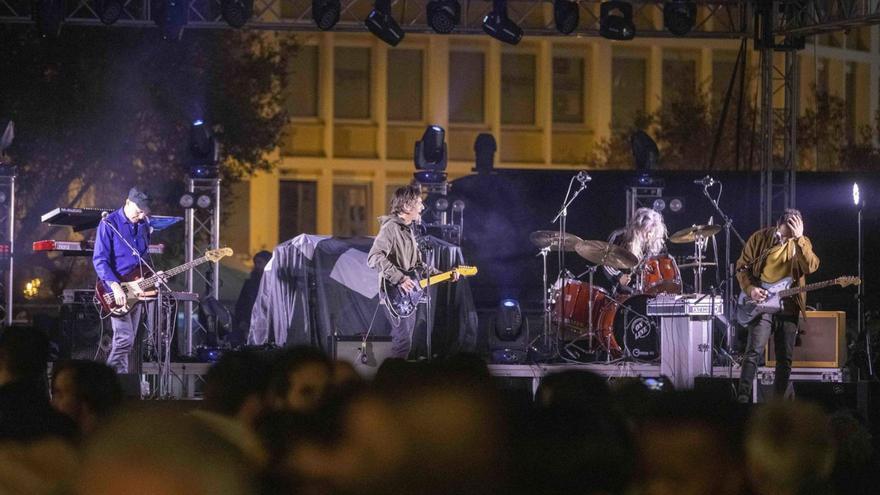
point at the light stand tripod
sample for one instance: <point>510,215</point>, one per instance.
<point>862,330</point>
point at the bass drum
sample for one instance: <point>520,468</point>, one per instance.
<point>630,333</point>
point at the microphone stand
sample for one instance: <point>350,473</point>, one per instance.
<point>562,217</point>
<point>728,268</point>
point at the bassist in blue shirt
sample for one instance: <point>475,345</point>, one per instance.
<point>121,246</point>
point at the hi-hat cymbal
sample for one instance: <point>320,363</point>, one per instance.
<point>551,239</point>
<point>691,234</point>
<point>603,253</point>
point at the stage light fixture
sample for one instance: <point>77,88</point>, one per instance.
<point>676,205</point>
<point>508,342</point>
<point>497,25</point>
<point>204,201</point>
<point>484,153</point>
<point>236,13</point>
<point>659,205</point>
<point>616,21</point>
<point>204,152</point>
<point>49,15</point>
<point>170,16</point>
<point>443,15</point>
<point>458,206</point>
<point>566,15</point>
<point>187,200</point>
<point>857,197</point>
<point>646,155</point>
<point>430,156</point>
<point>109,11</point>
<point>679,16</point>
<point>326,13</point>
<point>382,24</point>
<point>442,204</point>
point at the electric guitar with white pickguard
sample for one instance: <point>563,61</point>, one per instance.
<point>132,284</point>
<point>747,309</point>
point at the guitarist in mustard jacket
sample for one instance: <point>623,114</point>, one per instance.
<point>770,255</point>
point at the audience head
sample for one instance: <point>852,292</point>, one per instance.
<point>24,352</point>
<point>789,446</point>
<point>681,430</point>
<point>150,452</point>
<point>301,377</point>
<point>236,385</point>
<point>86,392</point>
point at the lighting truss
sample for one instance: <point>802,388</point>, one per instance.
<point>725,16</point>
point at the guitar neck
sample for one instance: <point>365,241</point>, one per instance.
<point>435,279</point>
<point>807,288</point>
<point>151,281</point>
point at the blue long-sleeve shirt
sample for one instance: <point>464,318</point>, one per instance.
<point>112,258</point>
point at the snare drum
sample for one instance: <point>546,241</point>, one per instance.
<point>572,307</point>
<point>660,274</point>
<point>632,331</point>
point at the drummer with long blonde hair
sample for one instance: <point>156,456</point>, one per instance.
<point>644,236</point>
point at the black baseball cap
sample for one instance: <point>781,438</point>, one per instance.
<point>139,197</point>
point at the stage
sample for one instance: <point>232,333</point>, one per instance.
<point>187,377</point>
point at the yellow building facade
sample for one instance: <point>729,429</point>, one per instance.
<point>358,106</point>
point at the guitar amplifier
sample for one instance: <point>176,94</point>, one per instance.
<point>365,356</point>
<point>823,343</point>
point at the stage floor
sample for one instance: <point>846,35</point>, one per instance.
<point>185,376</point>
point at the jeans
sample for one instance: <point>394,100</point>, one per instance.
<point>125,332</point>
<point>784,327</point>
<point>401,333</point>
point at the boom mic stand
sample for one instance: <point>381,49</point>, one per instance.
<point>728,268</point>
<point>562,217</point>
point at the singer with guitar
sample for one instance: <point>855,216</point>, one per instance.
<point>395,255</point>
<point>769,256</point>
<point>121,244</point>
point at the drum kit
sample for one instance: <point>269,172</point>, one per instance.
<point>580,311</point>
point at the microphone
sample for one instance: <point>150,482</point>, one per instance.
<point>706,181</point>
<point>583,177</point>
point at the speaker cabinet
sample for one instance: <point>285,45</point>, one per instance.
<point>365,356</point>
<point>84,335</point>
<point>823,343</point>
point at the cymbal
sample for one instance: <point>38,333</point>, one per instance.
<point>551,239</point>
<point>603,253</point>
<point>694,265</point>
<point>691,234</point>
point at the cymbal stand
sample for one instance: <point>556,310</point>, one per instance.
<point>545,333</point>
<point>591,326</point>
<point>699,247</point>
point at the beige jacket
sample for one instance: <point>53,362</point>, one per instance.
<point>395,250</point>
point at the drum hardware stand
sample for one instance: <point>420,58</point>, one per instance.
<point>562,217</point>
<point>591,328</point>
<point>545,334</point>
<point>728,228</point>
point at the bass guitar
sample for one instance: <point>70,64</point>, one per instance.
<point>132,284</point>
<point>747,309</point>
<point>403,304</point>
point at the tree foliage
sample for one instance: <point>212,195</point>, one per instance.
<point>98,110</point>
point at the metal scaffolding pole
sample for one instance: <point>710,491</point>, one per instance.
<point>7,240</point>
<point>202,234</point>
